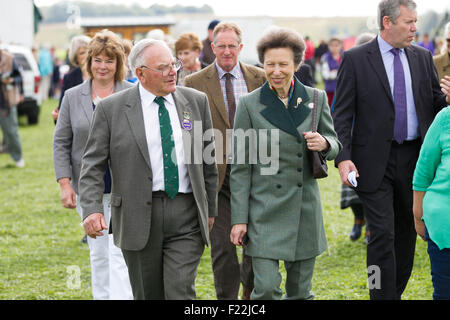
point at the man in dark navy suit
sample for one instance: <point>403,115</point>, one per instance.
<point>387,96</point>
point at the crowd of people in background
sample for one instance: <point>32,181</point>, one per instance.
<point>277,88</point>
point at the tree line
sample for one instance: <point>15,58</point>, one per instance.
<point>60,11</point>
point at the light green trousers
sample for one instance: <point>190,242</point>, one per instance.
<point>268,279</point>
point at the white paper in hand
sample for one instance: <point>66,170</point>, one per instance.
<point>352,178</point>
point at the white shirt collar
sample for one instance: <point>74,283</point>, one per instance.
<point>147,97</point>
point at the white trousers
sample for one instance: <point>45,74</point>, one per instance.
<point>44,86</point>
<point>109,273</point>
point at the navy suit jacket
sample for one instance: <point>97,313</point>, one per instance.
<point>364,107</point>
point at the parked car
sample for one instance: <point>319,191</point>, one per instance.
<point>31,78</point>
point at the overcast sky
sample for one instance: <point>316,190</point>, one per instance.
<point>289,8</point>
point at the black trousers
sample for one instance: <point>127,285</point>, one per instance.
<point>388,211</point>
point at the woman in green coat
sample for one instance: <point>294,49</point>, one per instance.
<point>277,213</point>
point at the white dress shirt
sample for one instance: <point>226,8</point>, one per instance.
<point>153,135</point>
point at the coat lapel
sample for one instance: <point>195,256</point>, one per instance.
<point>376,61</point>
<point>86,100</point>
<point>278,115</point>
<point>213,86</point>
<point>183,107</point>
<point>136,121</point>
<point>86,97</point>
<point>252,79</point>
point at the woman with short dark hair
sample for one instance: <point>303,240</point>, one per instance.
<point>276,211</point>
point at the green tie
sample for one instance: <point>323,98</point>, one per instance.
<point>168,149</point>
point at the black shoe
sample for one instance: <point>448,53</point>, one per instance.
<point>355,234</point>
<point>84,240</point>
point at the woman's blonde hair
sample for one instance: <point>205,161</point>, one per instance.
<point>108,43</point>
<point>127,46</point>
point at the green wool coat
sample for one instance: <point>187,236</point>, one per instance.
<point>282,210</point>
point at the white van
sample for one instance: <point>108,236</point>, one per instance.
<point>31,77</point>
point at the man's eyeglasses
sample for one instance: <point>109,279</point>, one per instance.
<point>230,47</point>
<point>165,69</point>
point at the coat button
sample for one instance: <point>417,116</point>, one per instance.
<point>299,169</point>
<point>299,154</point>
<point>300,185</point>
<point>149,203</point>
<point>278,186</point>
<point>279,172</point>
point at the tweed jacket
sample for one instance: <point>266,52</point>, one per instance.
<point>442,63</point>
<point>207,81</point>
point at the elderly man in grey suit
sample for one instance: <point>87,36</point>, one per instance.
<point>163,202</point>
<point>225,81</point>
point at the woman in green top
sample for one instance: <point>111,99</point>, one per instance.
<point>431,185</point>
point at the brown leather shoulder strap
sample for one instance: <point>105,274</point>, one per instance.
<point>314,120</point>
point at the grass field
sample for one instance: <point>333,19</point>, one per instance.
<point>40,240</point>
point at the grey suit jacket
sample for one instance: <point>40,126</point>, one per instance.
<point>72,129</point>
<point>119,136</point>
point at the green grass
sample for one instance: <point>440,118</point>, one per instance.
<point>40,240</point>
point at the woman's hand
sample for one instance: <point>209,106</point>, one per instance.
<point>420,228</point>
<point>315,141</point>
<point>55,114</point>
<point>68,196</point>
<point>445,88</point>
<point>418,213</point>
<point>237,234</point>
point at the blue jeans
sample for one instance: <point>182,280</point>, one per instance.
<point>440,269</point>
